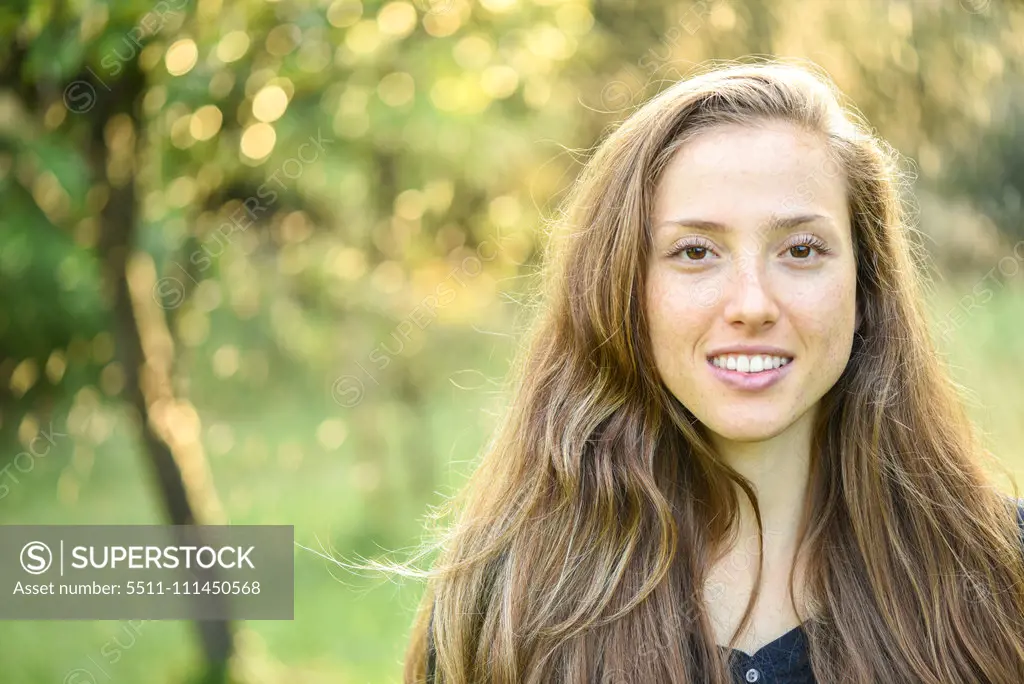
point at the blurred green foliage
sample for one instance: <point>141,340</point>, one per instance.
<point>316,186</point>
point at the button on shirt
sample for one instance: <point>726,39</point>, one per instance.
<point>782,661</point>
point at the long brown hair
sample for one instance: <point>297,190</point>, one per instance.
<point>578,549</point>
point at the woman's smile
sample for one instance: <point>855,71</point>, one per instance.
<point>749,373</point>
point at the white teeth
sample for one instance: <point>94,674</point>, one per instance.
<point>750,364</point>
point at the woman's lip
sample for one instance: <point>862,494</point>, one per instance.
<point>749,381</point>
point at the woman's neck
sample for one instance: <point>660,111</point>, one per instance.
<point>778,468</point>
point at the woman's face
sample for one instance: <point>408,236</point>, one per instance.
<point>752,321</point>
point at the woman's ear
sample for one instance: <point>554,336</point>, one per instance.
<point>858,320</point>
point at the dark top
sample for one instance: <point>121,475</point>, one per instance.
<point>782,661</point>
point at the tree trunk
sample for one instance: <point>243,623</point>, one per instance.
<point>170,426</point>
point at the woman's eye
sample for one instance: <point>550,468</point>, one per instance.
<point>693,250</point>
<point>805,248</point>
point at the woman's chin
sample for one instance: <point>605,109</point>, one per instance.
<point>746,430</point>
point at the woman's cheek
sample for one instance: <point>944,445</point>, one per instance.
<point>825,300</point>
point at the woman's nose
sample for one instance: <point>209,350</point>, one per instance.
<point>749,299</point>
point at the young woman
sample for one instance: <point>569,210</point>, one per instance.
<point>732,453</point>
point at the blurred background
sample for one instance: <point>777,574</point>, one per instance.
<point>266,262</point>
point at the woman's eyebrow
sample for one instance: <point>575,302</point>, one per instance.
<point>774,224</point>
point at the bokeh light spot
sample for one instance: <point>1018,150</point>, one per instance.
<point>205,122</point>
<point>181,57</point>
<point>258,140</point>
<point>232,46</point>
<point>270,103</point>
